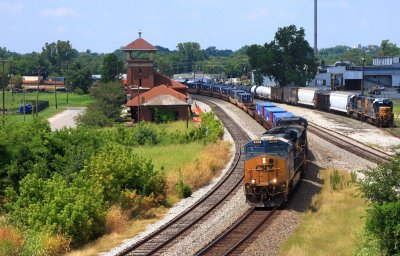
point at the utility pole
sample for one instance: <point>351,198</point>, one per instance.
<point>12,92</point>
<point>4,90</point>
<point>37,91</point>
<point>55,92</point>
<point>362,80</point>
<point>140,84</point>
<point>315,29</point>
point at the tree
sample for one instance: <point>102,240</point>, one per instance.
<point>111,68</point>
<point>108,100</point>
<point>17,82</point>
<point>388,49</point>
<point>189,53</point>
<point>58,53</point>
<point>79,77</point>
<point>288,59</point>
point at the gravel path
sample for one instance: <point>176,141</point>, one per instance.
<point>65,119</point>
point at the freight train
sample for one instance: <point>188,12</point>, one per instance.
<point>377,111</point>
<point>274,162</point>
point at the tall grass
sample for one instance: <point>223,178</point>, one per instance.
<point>200,171</point>
<point>334,220</point>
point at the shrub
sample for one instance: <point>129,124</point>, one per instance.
<point>213,127</point>
<point>93,117</point>
<point>145,134</point>
<point>384,222</point>
<point>116,169</point>
<point>54,205</point>
<point>79,91</point>
<point>183,190</point>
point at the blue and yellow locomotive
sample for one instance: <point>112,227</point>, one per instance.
<point>275,162</point>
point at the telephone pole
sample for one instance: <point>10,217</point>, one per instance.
<point>4,89</point>
<point>37,91</point>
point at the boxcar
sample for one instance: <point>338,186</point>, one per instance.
<point>321,100</point>
<point>290,95</point>
<point>277,94</point>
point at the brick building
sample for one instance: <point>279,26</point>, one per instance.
<point>151,93</point>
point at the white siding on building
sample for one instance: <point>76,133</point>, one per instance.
<point>395,80</point>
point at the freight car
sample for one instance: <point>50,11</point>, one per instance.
<point>275,163</point>
<point>333,101</point>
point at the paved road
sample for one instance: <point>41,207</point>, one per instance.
<point>65,118</point>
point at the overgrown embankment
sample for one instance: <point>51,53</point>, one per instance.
<point>63,189</point>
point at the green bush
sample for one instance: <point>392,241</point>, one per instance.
<point>213,127</point>
<point>74,209</point>
<point>116,169</point>
<point>384,222</point>
<point>183,190</point>
<point>145,134</point>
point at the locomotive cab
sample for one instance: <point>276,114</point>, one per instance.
<point>273,165</point>
<point>383,109</point>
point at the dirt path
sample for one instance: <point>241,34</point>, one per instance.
<point>65,119</point>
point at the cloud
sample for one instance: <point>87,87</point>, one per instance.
<point>7,7</point>
<point>258,14</point>
<point>62,11</point>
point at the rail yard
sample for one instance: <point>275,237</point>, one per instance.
<point>326,148</point>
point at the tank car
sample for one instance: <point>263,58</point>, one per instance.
<point>275,162</point>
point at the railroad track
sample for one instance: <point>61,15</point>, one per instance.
<point>232,239</point>
<point>349,144</point>
<point>158,241</point>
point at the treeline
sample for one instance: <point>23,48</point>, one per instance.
<point>61,59</point>
<point>57,188</point>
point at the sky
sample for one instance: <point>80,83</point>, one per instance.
<point>105,25</point>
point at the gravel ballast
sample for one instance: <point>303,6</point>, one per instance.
<point>322,155</point>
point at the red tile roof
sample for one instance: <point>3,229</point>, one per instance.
<point>161,79</point>
<point>155,92</point>
<point>139,45</point>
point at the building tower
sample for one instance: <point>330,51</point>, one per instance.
<point>140,60</point>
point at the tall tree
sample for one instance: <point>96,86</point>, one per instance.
<point>189,53</point>
<point>388,49</point>
<point>288,59</point>
<point>58,53</point>
<point>79,77</point>
<point>111,68</point>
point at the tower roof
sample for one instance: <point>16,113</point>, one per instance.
<point>139,45</point>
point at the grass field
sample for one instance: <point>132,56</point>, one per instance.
<point>17,99</point>
<point>333,223</point>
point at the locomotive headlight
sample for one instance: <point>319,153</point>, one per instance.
<point>264,160</point>
<point>274,180</point>
<point>253,181</point>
